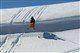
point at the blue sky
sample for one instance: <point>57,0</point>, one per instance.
<point>26,3</point>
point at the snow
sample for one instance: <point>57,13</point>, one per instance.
<point>29,42</point>
<point>52,12</point>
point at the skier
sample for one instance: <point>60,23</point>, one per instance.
<point>47,35</point>
<point>32,23</point>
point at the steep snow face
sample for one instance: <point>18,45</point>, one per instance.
<point>51,12</point>
<point>30,42</point>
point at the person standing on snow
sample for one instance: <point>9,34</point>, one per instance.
<point>32,23</point>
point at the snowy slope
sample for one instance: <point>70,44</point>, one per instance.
<point>30,42</point>
<point>52,12</point>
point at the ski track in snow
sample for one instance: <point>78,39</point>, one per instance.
<point>60,10</point>
<point>30,42</point>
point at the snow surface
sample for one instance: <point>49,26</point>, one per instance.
<point>52,12</point>
<point>29,42</point>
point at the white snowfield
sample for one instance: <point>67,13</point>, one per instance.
<point>51,12</point>
<point>29,42</point>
